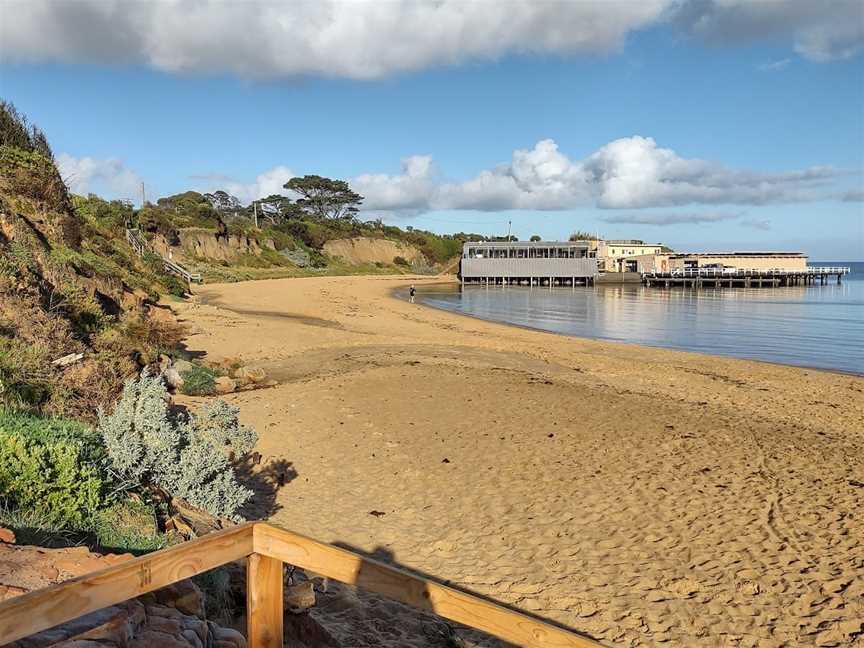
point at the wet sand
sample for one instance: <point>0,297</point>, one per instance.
<point>641,496</point>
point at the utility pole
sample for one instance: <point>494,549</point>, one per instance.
<point>255,210</point>
<point>143,196</point>
<point>509,223</point>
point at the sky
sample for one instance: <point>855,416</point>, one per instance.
<point>700,124</point>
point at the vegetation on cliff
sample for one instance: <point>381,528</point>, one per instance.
<point>79,318</point>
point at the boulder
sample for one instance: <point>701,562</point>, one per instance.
<point>7,536</point>
<point>173,378</point>
<point>250,375</point>
<point>225,385</point>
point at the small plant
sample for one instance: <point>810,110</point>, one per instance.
<point>129,526</point>
<point>400,261</point>
<point>199,381</point>
<point>149,445</point>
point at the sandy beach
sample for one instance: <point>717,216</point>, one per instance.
<point>641,496</point>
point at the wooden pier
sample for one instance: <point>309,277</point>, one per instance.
<point>742,277</point>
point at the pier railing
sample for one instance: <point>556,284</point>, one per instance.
<point>726,273</point>
<point>267,549</point>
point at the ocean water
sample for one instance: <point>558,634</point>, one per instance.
<point>808,326</point>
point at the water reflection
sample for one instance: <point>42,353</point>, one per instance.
<point>817,326</point>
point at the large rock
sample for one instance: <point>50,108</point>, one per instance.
<point>225,385</point>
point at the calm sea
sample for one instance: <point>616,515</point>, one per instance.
<point>809,326</point>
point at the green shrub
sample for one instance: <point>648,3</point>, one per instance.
<point>129,526</point>
<point>48,466</point>
<point>400,261</point>
<point>149,444</point>
<point>199,381</point>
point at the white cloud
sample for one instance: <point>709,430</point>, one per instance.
<point>852,196</point>
<point>369,39</point>
<point>359,40</point>
<point>409,191</point>
<point>682,218</point>
<point>109,177</point>
<point>628,173</point>
<point>266,184</point>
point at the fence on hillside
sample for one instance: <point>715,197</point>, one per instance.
<point>267,549</point>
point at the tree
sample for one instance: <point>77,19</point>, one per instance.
<point>223,201</point>
<point>536,237</point>
<point>579,235</point>
<point>325,198</point>
<point>278,208</point>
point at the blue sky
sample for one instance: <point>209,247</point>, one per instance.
<point>657,131</point>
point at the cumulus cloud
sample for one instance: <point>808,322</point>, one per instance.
<point>670,219</point>
<point>108,177</point>
<point>322,37</point>
<point>408,191</point>
<point>266,184</point>
<point>368,39</point>
<point>627,173</point>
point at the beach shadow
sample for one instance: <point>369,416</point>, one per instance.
<point>372,576</point>
<point>264,482</point>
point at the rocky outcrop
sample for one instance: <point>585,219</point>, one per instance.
<point>173,617</point>
<point>372,250</point>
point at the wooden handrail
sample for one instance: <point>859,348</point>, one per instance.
<point>39,610</point>
<point>266,549</point>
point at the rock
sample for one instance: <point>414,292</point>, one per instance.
<point>173,378</point>
<point>7,536</point>
<point>164,361</point>
<point>183,366</point>
<point>250,375</point>
<point>225,385</point>
<point>300,597</point>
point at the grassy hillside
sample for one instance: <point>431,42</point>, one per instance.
<point>69,284</point>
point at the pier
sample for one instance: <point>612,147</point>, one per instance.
<point>743,277</point>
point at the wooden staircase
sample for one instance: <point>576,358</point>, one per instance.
<point>141,247</point>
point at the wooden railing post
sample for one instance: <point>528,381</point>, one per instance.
<point>264,601</point>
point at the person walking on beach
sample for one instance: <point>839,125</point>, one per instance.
<point>411,292</point>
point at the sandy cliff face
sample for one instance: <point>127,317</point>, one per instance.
<point>371,250</point>
<point>201,243</point>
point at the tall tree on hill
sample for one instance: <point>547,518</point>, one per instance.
<point>278,208</point>
<point>325,198</point>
